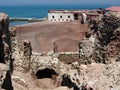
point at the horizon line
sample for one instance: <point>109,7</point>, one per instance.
<point>60,4</point>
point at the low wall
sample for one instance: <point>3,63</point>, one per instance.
<point>69,57</point>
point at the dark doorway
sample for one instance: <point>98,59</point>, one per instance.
<point>66,81</point>
<point>76,16</point>
<point>45,73</point>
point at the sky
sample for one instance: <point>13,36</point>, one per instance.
<point>30,2</point>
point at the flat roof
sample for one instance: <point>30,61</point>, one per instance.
<point>88,12</point>
<point>68,11</point>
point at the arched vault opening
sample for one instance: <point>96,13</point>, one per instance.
<point>46,73</point>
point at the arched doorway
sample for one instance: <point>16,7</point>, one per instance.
<point>46,73</point>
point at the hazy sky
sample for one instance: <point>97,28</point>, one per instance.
<point>29,2</point>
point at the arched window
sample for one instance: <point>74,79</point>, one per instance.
<point>53,16</point>
<point>68,16</point>
<point>60,16</point>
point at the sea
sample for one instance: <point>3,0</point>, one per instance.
<point>41,11</point>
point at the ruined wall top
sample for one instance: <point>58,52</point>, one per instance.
<point>3,16</point>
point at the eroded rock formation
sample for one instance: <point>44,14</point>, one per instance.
<point>102,42</point>
<point>5,54</point>
<point>5,46</point>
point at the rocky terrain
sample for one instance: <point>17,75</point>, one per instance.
<point>96,68</point>
<point>102,42</point>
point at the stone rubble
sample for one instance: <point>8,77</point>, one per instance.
<point>98,67</point>
<point>102,42</point>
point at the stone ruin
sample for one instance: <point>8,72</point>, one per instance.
<point>93,49</point>
<point>5,54</point>
<point>27,52</point>
<point>4,38</point>
<point>101,45</point>
<point>102,42</point>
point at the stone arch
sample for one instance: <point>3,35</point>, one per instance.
<point>46,73</point>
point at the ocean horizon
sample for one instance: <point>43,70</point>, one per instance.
<point>41,11</point>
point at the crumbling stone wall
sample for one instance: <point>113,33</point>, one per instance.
<point>68,58</point>
<point>27,52</point>
<point>5,46</point>
<point>86,48</point>
<point>5,53</point>
<point>105,42</point>
<point>13,39</point>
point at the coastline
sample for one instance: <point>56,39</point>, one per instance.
<point>29,24</point>
<point>26,19</point>
<point>35,12</point>
<point>21,21</point>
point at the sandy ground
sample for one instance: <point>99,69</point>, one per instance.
<point>24,81</point>
<point>42,35</point>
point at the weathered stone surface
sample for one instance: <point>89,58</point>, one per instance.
<point>27,52</point>
<point>5,53</point>
<point>5,46</point>
<point>103,42</point>
<point>12,31</point>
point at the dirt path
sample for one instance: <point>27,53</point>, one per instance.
<point>35,42</point>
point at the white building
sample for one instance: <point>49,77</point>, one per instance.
<point>64,15</point>
<point>60,17</point>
